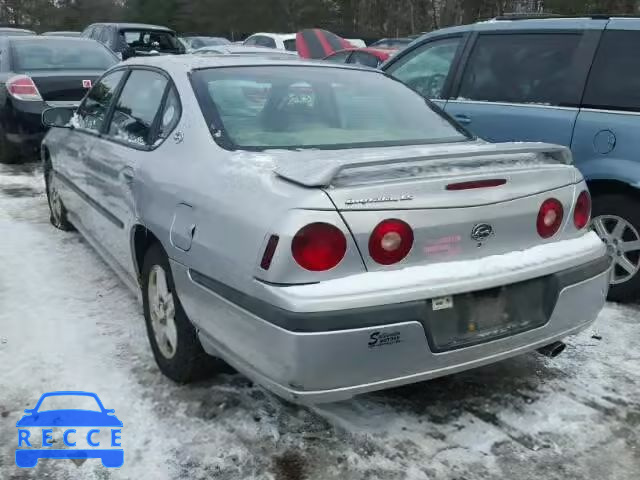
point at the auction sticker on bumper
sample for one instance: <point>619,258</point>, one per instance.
<point>84,427</point>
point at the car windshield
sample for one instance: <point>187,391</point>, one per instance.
<point>69,402</point>
<point>316,107</point>
<point>147,40</point>
<point>60,54</point>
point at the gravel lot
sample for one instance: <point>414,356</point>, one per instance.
<point>66,323</point>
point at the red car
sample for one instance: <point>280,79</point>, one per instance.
<point>369,57</point>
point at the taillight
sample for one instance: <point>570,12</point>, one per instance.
<point>390,241</point>
<point>582,210</point>
<point>23,88</point>
<point>318,247</point>
<point>549,218</point>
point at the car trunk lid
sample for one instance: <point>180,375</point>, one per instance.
<point>65,85</point>
<point>446,194</point>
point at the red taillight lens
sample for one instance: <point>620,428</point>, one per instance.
<point>390,241</point>
<point>23,88</point>
<point>319,247</point>
<point>582,210</point>
<point>549,218</point>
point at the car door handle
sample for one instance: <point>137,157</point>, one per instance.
<point>463,119</point>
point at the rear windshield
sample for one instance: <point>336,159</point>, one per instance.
<point>148,40</point>
<point>316,107</point>
<point>60,54</point>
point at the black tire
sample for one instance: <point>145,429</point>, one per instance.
<point>627,208</point>
<point>57,212</point>
<point>189,362</point>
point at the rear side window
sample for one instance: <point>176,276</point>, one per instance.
<point>614,82</point>
<point>339,57</point>
<point>523,68</point>
<point>93,110</point>
<point>265,42</point>
<point>138,107</point>
<point>426,68</point>
<point>365,59</point>
<point>60,54</point>
<point>170,114</point>
<point>290,45</point>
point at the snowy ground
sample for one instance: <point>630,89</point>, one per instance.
<point>67,323</point>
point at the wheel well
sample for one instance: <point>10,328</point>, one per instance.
<point>605,187</point>
<point>143,238</point>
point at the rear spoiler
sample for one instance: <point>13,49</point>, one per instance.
<point>313,169</point>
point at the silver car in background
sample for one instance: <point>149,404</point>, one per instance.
<point>322,228</point>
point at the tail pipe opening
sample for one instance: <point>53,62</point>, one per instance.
<point>552,350</point>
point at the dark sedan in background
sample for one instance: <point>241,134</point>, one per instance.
<point>37,72</point>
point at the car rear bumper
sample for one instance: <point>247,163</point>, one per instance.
<point>360,349</point>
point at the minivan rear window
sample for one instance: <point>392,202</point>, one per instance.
<point>148,40</point>
<point>60,54</point>
<point>536,68</point>
<point>294,107</point>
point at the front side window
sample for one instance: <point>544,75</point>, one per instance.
<point>426,68</point>
<point>614,82</point>
<point>522,68</point>
<point>93,110</point>
<point>316,107</point>
<point>137,108</point>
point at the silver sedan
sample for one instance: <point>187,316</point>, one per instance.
<point>322,228</point>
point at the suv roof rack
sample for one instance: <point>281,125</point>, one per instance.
<point>537,16</point>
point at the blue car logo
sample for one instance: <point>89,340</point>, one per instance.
<point>39,417</point>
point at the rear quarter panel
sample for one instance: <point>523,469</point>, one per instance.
<point>233,198</point>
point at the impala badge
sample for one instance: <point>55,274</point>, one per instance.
<point>481,232</point>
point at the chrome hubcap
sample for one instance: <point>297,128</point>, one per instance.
<point>54,199</point>
<point>162,312</point>
<point>623,245</point>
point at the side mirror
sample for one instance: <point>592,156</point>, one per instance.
<point>58,117</point>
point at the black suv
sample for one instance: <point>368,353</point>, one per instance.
<point>135,39</point>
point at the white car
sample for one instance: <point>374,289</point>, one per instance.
<point>279,41</point>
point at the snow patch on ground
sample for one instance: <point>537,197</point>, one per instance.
<point>67,323</point>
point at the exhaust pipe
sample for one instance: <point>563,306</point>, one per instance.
<point>552,350</point>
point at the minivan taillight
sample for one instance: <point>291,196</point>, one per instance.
<point>582,210</point>
<point>549,218</point>
<point>23,88</point>
<point>319,246</point>
<point>390,241</point>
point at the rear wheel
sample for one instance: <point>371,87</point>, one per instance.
<point>172,336</point>
<point>57,211</point>
<point>616,219</point>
